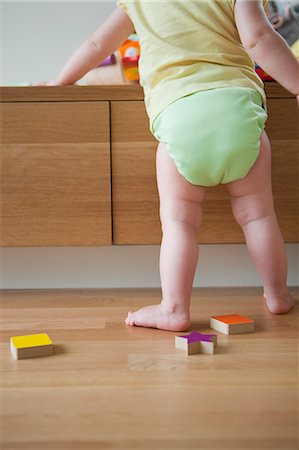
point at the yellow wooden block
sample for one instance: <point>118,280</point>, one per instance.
<point>31,346</point>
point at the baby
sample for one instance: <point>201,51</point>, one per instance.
<point>207,109</point>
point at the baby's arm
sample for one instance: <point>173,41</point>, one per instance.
<point>101,44</point>
<point>265,46</point>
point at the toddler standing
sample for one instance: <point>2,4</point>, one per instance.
<point>207,108</point>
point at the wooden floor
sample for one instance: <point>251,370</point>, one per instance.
<point>109,386</point>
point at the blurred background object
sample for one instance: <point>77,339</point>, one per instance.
<point>130,53</point>
<point>284,17</point>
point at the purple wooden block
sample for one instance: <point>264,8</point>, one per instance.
<point>195,336</point>
<point>108,61</point>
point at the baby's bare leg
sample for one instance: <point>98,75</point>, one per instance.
<point>180,213</point>
<point>252,204</point>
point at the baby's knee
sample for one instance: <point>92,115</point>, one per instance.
<point>249,210</point>
<point>184,211</point>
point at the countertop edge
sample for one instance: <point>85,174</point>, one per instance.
<point>9,94</point>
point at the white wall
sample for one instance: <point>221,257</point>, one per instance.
<point>128,266</point>
<point>36,39</point>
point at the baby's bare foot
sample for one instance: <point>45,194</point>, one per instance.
<point>279,303</point>
<point>157,316</point>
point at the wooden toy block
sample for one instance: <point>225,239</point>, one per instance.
<point>196,342</point>
<point>31,346</point>
<point>232,324</point>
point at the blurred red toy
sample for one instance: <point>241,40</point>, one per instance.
<point>262,74</point>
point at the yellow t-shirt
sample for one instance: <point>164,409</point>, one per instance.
<point>188,46</point>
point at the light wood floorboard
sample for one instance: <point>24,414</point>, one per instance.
<point>109,386</point>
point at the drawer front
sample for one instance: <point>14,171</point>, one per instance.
<point>134,191</point>
<point>55,165</point>
<point>283,130</point>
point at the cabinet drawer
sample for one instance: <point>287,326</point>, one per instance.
<point>134,190</point>
<point>283,131</point>
<point>135,197</point>
<point>55,165</point>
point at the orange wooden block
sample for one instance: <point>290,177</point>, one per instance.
<point>232,324</point>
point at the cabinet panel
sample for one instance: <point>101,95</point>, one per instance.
<point>134,190</point>
<point>135,197</point>
<point>283,130</point>
<point>55,166</point>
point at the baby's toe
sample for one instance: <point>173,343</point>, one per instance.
<point>129,320</point>
<point>132,319</point>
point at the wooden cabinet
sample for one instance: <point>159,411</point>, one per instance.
<point>55,187</point>
<point>135,199</point>
<point>283,130</point>
<point>134,189</point>
<point>78,169</point>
